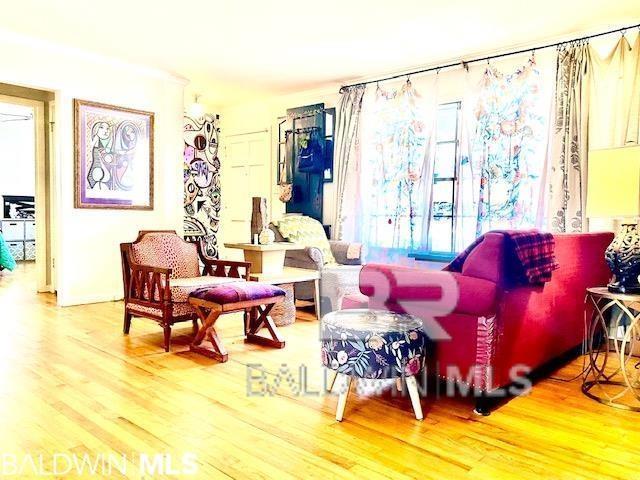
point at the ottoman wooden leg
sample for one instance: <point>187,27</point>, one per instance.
<point>412,387</point>
<point>332,382</point>
<point>208,332</point>
<point>344,383</point>
<point>258,318</point>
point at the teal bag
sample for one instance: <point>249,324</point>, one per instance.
<point>6,259</point>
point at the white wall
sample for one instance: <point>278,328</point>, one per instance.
<point>17,157</point>
<point>87,256</point>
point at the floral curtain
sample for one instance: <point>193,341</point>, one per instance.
<point>502,175</point>
<point>569,139</point>
<point>395,185</point>
<point>346,163</point>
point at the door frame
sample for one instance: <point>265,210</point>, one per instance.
<point>42,189</point>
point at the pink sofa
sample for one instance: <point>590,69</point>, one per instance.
<point>494,327</point>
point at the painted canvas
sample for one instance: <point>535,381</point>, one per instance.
<point>114,157</point>
<point>202,181</point>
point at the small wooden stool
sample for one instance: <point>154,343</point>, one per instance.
<point>253,298</point>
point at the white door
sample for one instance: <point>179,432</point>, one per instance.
<point>246,173</point>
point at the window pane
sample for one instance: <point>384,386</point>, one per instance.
<point>441,235</point>
<point>447,122</point>
<point>445,160</point>
<point>443,198</point>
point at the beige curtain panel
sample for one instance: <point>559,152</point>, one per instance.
<point>346,154</point>
<point>569,139</point>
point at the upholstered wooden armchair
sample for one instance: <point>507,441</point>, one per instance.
<point>160,270</point>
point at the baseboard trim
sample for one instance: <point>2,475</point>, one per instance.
<point>69,301</point>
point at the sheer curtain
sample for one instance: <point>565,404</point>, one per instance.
<point>347,159</point>
<point>396,178</point>
<point>615,97</point>
<point>501,172</point>
<point>614,104</point>
<point>569,139</point>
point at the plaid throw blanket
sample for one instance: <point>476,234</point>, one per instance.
<point>530,257</point>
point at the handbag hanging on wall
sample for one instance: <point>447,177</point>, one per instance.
<point>310,155</point>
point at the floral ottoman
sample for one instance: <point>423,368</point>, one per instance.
<point>373,344</point>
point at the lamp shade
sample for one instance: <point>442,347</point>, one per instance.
<point>613,185</point>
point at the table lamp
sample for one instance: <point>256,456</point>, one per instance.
<point>613,191</point>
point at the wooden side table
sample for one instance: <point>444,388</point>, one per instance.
<point>285,280</point>
<point>268,258</point>
<point>613,347</point>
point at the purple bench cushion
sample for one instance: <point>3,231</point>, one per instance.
<point>237,292</point>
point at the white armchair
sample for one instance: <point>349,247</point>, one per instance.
<point>336,279</point>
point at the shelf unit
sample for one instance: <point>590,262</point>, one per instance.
<point>20,235</point>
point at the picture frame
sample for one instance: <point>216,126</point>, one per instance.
<point>113,149</point>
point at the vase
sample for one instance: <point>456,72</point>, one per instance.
<point>623,258</point>
<point>266,236</point>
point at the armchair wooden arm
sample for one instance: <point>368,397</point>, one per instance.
<point>223,268</point>
<point>143,284</point>
<point>149,284</point>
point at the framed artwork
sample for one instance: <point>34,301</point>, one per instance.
<point>113,157</point>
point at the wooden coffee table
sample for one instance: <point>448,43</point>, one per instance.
<point>285,280</point>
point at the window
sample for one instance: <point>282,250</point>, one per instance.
<point>445,176</point>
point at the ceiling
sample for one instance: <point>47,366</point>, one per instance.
<point>232,50</point>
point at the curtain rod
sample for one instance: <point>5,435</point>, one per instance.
<point>490,57</point>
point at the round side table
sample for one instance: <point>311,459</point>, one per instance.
<point>612,376</point>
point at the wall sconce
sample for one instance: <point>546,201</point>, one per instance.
<point>196,110</point>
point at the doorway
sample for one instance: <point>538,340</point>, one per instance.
<point>247,168</point>
<point>25,193</point>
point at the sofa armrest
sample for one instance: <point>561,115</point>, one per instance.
<point>346,253</point>
<point>444,292</point>
<point>310,258</point>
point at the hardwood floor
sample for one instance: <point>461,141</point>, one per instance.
<point>71,382</point>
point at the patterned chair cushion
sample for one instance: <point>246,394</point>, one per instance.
<point>178,310</point>
<point>181,288</point>
<point>308,232</point>
<point>167,250</point>
<point>373,343</point>
<point>237,292</point>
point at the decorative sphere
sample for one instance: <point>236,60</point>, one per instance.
<point>266,236</point>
